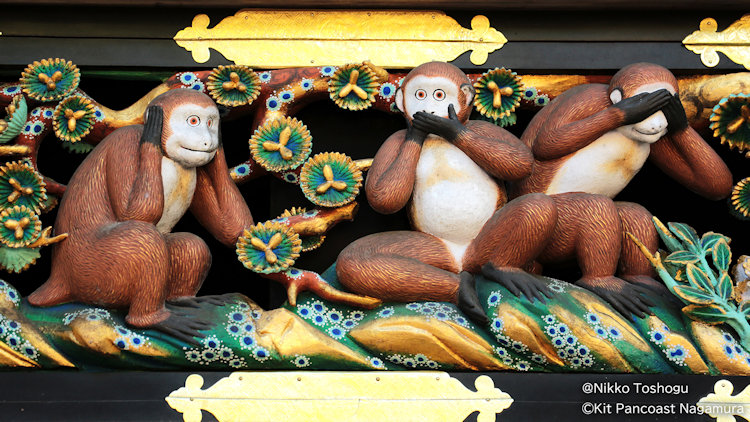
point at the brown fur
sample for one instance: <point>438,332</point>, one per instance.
<point>405,266</point>
<point>114,255</point>
<point>582,115</point>
<point>451,73</point>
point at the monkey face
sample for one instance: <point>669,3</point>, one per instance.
<point>652,128</point>
<point>432,94</point>
<point>191,134</point>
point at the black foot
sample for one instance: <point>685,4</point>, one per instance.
<point>518,282</point>
<point>182,327</point>
<point>626,298</point>
<point>197,301</point>
<point>468,301</point>
<point>655,288</point>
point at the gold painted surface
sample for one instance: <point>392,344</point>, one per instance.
<point>344,396</point>
<point>12,359</point>
<point>723,406</point>
<point>734,42</point>
<point>699,94</point>
<point>440,341</point>
<point>29,332</point>
<point>289,335</point>
<point>14,150</point>
<point>523,328</point>
<point>605,350</point>
<point>289,38</point>
<point>693,359</point>
<point>100,337</point>
<point>134,114</point>
<point>710,340</point>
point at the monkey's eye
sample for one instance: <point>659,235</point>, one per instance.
<point>193,120</point>
<point>210,122</point>
<point>421,94</point>
<point>439,94</point>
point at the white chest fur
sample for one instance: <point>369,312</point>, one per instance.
<point>453,197</point>
<point>605,166</point>
<point>179,187</point>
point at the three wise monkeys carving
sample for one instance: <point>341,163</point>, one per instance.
<point>573,158</point>
<point>481,200</point>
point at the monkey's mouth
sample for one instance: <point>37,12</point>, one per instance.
<point>205,151</point>
<point>648,133</point>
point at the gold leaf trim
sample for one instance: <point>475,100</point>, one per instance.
<point>346,396</point>
<point>722,405</point>
<point>734,42</point>
<point>291,38</point>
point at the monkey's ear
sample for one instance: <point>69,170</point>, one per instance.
<point>616,96</point>
<point>469,93</point>
<point>400,100</point>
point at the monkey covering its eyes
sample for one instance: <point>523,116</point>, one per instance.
<point>594,138</point>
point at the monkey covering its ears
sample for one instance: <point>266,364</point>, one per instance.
<point>121,205</point>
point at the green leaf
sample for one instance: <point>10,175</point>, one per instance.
<point>681,258</point>
<point>685,233</point>
<point>722,255</point>
<point>725,288</point>
<point>698,278</point>
<point>745,309</point>
<point>709,240</point>
<point>671,268</point>
<point>693,295</point>
<point>710,314</point>
<point>17,259</point>
<point>79,147</point>
<point>669,240</point>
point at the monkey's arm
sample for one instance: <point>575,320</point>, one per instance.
<point>573,125</point>
<point>688,159</point>
<point>145,200</point>
<point>217,203</point>
<point>586,114</point>
<point>496,150</point>
<point>391,178</point>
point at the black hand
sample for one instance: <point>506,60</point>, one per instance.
<point>415,134</point>
<point>675,114</point>
<point>641,106</point>
<point>153,126</point>
<point>446,128</point>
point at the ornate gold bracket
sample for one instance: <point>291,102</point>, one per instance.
<point>346,396</point>
<point>722,406</point>
<point>296,38</point>
<point>734,42</point>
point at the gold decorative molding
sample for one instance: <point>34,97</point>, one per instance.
<point>347,396</point>
<point>723,406</point>
<point>294,38</point>
<point>734,42</point>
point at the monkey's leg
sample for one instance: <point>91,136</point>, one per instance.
<point>633,266</point>
<point>189,262</point>
<point>55,290</point>
<point>136,275</point>
<point>400,266</point>
<point>589,228</point>
<point>512,239</point>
